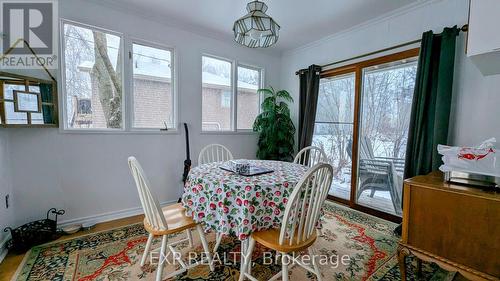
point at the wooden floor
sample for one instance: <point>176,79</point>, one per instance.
<point>9,265</point>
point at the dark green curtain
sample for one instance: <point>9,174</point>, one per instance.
<point>47,110</point>
<point>308,102</point>
<point>430,111</point>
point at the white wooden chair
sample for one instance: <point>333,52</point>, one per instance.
<point>215,153</point>
<point>164,221</point>
<point>298,230</point>
<point>310,156</point>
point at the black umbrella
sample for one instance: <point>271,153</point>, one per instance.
<point>187,162</point>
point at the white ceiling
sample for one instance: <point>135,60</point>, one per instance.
<point>301,21</point>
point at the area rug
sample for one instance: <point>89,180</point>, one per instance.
<point>360,247</point>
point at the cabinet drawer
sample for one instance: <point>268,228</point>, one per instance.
<point>459,227</point>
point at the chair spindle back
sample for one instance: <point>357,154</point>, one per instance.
<point>150,204</point>
<point>304,206</point>
<point>310,156</point>
<point>214,153</point>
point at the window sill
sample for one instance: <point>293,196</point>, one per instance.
<point>119,132</point>
<point>240,132</point>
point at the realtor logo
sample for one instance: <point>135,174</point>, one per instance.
<point>31,22</point>
<point>28,27</point>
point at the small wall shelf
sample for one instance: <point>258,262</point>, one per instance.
<point>27,102</point>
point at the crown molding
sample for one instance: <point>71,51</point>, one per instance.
<point>364,25</point>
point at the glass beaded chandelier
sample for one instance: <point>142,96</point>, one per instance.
<point>256,29</point>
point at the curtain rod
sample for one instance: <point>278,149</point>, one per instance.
<point>464,28</point>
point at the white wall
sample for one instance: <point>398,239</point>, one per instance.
<point>475,114</point>
<point>87,174</point>
<point>6,215</point>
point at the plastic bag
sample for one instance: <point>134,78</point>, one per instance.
<point>480,159</point>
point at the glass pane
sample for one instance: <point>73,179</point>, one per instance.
<point>334,127</point>
<point>248,98</point>
<point>27,102</point>
<point>9,90</point>
<point>385,116</point>
<point>93,79</point>
<point>216,83</point>
<point>153,95</point>
<point>13,117</point>
<point>37,118</point>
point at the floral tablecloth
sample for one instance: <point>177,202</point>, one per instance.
<point>232,204</point>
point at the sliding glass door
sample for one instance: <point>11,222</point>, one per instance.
<point>334,127</point>
<point>362,124</point>
<point>387,94</point>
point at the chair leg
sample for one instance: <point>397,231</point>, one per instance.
<point>146,249</point>
<point>190,237</point>
<point>161,259</point>
<point>247,264</point>
<point>315,264</point>
<point>372,193</point>
<point>218,239</point>
<point>205,246</point>
<point>284,267</point>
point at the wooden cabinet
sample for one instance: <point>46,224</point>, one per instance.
<point>483,43</point>
<point>457,227</point>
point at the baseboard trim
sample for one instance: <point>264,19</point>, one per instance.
<point>105,217</point>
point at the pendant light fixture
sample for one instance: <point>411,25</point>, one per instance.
<point>256,29</point>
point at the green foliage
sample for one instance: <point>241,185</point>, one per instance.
<point>275,128</point>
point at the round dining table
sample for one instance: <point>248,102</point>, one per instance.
<point>233,204</point>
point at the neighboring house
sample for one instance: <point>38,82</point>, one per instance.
<point>153,101</point>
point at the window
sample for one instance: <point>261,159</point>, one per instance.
<point>217,80</point>
<point>334,127</point>
<point>153,98</point>
<point>387,94</point>
<point>379,93</point>
<point>248,98</point>
<point>93,67</point>
<point>218,95</point>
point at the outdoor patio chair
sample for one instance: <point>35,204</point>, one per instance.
<point>378,173</point>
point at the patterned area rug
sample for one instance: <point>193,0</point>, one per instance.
<point>366,243</point>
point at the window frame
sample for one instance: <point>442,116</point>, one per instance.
<point>357,69</point>
<point>63,101</point>
<point>127,93</point>
<point>173,81</point>
<point>234,94</point>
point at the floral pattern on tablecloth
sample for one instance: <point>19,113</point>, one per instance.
<point>232,204</point>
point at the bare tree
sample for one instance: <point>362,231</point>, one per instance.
<point>108,81</point>
<point>386,104</point>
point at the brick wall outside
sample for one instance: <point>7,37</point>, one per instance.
<point>248,108</point>
<point>212,111</point>
<point>153,105</point>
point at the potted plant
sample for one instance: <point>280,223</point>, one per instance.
<point>275,127</point>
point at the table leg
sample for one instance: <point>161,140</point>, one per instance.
<point>402,253</point>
